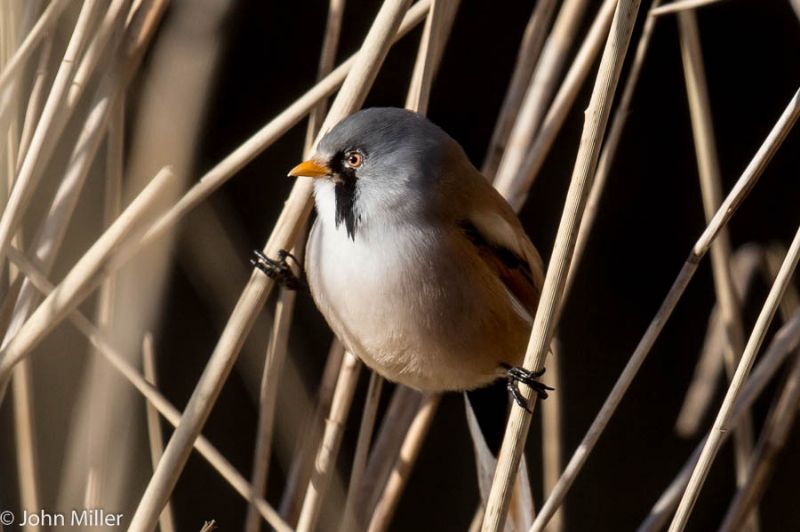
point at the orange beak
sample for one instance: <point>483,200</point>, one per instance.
<point>310,168</point>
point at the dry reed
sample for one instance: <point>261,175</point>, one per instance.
<point>550,300</point>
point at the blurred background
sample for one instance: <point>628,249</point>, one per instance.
<point>217,71</point>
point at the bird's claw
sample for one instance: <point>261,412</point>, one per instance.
<point>516,375</point>
<point>279,270</point>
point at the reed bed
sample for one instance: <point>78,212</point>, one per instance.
<point>122,208</point>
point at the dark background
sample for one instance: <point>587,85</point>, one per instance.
<point>650,216</point>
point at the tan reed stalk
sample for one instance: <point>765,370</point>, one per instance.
<point>165,408</point>
<point>71,291</point>
<point>714,441</point>
<point>550,301</point>
<point>296,211</point>
<point>711,189</point>
<point>268,395</point>
<point>155,436</point>
<point>387,504</point>
<point>553,436</point>
<point>527,56</point>
<point>327,59</point>
<point>432,44</point>
<point>39,31</point>
<point>209,526</point>
<point>736,196</point>
<point>325,461</point>
<point>31,167</point>
<point>746,263</point>
<point>365,433</point>
<point>682,5</point>
<point>791,298</point>
<point>517,191</point>
<point>540,90</point>
<point>25,439</point>
<point>35,101</point>
<point>610,145</point>
<point>257,143</point>
<point>303,457</point>
<point>403,407</point>
<point>783,344</point>
<point>50,235</point>
<point>279,339</point>
<point>770,443</point>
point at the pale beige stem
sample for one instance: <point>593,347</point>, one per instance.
<point>540,91</point>
<point>711,188</point>
<point>732,202</point>
<point>517,191</point>
<point>610,146</point>
<point>714,441</point>
<point>296,211</point>
<point>784,342</point>
<point>119,361</point>
<point>550,301</point>
<point>325,461</point>
<point>154,434</point>
<point>39,31</point>
<point>387,503</point>
<point>529,50</point>
<point>553,436</point>
<point>303,457</point>
<point>682,5</point>
<point>30,169</point>
<point>71,291</point>
<point>746,263</point>
<point>770,444</point>
<point>365,432</point>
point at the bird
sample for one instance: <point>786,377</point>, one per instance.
<point>419,266</point>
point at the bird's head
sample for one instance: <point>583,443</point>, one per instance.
<point>378,164</point>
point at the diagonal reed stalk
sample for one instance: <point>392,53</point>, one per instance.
<point>770,444</point>
<point>296,211</point>
<point>119,361</point>
<point>49,125</point>
<point>746,263</point>
<point>773,436</point>
<point>39,31</point>
<point>155,436</point>
<point>610,146</point>
<point>279,339</point>
<point>540,91</point>
<point>527,57</point>
<point>682,5</point>
<point>387,503</point>
<point>714,440</point>
<point>517,190</point>
<point>550,300</point>
<point>785,341</point>
<point>711,189</point>
<point>72,290</point>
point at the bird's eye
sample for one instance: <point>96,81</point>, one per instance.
<point>354,159</point>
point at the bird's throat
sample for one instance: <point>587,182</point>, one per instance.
<point>346,191</point>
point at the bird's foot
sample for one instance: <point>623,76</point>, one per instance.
<point>279,269</point>
<point>516,375</point>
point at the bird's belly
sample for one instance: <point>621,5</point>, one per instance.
<point>393,308</point>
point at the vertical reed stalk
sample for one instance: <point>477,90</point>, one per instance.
<point>745,363</point>
<point>550,300</point>
<point>155,437</point>
<point>711,188</point>
<point>741,189</point>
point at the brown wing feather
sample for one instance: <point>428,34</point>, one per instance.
<point>512,269</point>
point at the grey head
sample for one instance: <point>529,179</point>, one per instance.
<point>385,165</point>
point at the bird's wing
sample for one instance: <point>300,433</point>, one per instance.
<point>503,245</point>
